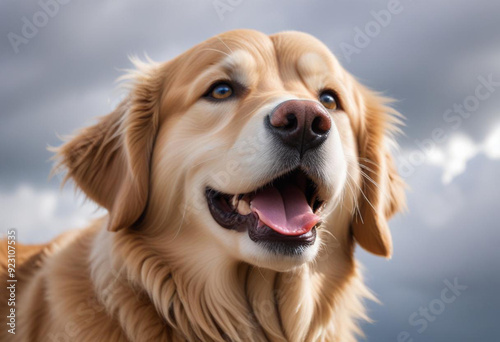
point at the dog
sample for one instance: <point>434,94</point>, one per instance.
<point>238,178</point>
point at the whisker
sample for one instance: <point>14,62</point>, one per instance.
<point>366,198</point>
<point>366,168</point>
<point>355,204</point>
<point>220,39</point>
<point>369,178</point>
<point>210,49</point>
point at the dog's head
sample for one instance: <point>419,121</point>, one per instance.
<point>247,147</point>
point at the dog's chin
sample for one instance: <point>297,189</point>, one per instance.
<point>275,256</point>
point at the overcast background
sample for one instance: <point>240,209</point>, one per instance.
<point>430,55</point>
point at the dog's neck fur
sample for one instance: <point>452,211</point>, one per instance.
<point>218,299</point>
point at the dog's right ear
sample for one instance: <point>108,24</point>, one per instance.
<point>110,161</point>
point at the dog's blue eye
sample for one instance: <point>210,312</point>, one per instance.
<point>328,100</point>
<point>221,91</point>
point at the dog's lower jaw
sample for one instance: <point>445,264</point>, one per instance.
<point>270,257</point>
<point>209,299</point>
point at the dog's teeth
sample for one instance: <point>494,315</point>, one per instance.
<point>234,201</point>
<point>244,207</point>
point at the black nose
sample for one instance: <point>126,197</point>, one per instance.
<point>300,124</point>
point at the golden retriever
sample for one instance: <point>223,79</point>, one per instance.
<point>237,178</point>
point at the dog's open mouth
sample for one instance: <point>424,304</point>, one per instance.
<point>283,212</point>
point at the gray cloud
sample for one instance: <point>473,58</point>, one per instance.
<point>461,245</point>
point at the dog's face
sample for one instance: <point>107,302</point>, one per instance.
<point>247,147</point>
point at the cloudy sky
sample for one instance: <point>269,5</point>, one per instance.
<point>440,60</point>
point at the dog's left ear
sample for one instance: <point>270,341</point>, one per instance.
<point>383,188</point>
<point>110,161</point>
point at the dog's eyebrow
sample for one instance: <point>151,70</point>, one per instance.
<point>237,66</point>
<point>240,64</point>
<point>318,74</point>
<point>312,66</point>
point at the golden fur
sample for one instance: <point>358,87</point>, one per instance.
<point>157,267</point>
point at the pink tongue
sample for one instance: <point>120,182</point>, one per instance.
<point>284,210</point>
